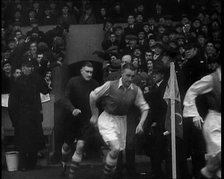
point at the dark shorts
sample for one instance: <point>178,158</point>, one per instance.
<point>77,129</point>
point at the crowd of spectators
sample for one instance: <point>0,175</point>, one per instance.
<point>165,37</point>
<point>146,32</point>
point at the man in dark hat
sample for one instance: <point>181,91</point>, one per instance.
<point>158,51</point>
<point>6,75</point>
<point>131,44</point>
<point>193,67</point>
<point>193,70</point>
<point>25,110</point>
<point>156,124</point>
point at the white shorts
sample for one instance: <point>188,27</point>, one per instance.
<point>212,132</point>
<point>113,127</point>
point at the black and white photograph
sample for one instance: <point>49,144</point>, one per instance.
<point>111,89</point>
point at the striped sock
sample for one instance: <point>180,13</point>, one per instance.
<point>64,159</point>
<point>76,159</point>
<point>110,165</point>
<point>65,155</point>
<point>73,167</point>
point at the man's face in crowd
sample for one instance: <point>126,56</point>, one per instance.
<point>135,62</point>
<point>27,70</point>
<point>131,20</point>
<point>33,47</point>
<point>146,28</point>
<point>125,59</point>
<point>157,76</point>
<point>12,45</point>
<point>65,10</point>
<point>18,34</point>
<point>150,64</point>
<point>152,42</point>
<point>137,52</point>
<point>87,72</point>
<point>210,48</point>
<point>190,53</point>
<point>201,40</point>
<point>48,76</point>
<point>141,35</point>
<point>132,42</point>
<point>148,56</point>
<point>139,18</point>
<point>17,73</point>
<point>196,23</point>
<point>112,37</point>
<point>127,77</point>
<point>118,31</point>
<point>157,50</point>
<point>7,68</point>
<point>103,11</point>
<point>40,57</point>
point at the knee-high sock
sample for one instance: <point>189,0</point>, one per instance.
<point>65,154</point>
<point>110,164</point>
<point>76,159</point>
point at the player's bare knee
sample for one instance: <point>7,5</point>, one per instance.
<point>115,150</point>
<point>80,145</point>
<point>66,147</point>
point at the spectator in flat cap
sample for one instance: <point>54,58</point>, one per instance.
<point>131,44</point>
<point>113,70</point>
<point>157,152</point>
<point>158,51</point>
<point>6,73</point>
<point>35,34</point>
<point>194,67</point>
<point>152,41</point>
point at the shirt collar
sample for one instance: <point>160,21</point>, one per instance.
<point>159,83</point>
<point>121,84</point>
